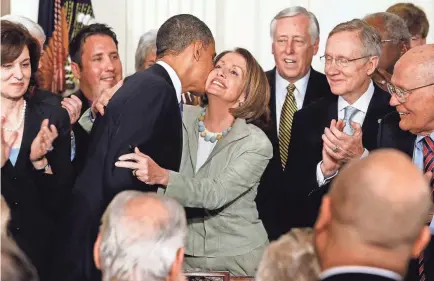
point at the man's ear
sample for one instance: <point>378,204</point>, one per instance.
<point>316,47</point>
<point>372,65</point>
<point>96,256</point>
<point>403,48</point>
<point>76,70</point>
<point>324,216</point>
<point>421,242</point>
<point>176,268</point>
<point>198,48</point>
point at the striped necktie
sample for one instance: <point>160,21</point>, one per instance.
<point>428,166</point>
<point>288,110</point>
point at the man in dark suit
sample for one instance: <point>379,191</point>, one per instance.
<point>411,128</point>
<point>295,35</point>
<point>144,113</point>
<point>320,144</point>
<point>373,219</point>
<point>96,64</point>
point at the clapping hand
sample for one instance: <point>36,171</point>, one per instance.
<point>329,164</point>
<point>6,144</point>
<point>103,98</point>
<point>73,105</point>
<point>43,141</point>
<point>144,168</point>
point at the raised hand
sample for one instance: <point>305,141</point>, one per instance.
<point>104,97</point>
<point>329,164</point>
<point>73,105</point>
<point>43,141</point>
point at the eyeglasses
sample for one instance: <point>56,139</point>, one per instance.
<point>402,94</point>
<point>340,62</point>
<point>393,41</point>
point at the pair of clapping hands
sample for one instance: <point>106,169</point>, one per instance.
<point>339,147</point>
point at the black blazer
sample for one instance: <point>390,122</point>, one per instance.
<point>81,136</point>
<point>357,277</point>
<point>37,199</point>
<point>306,152</point>
<point>391,136</point>
<point>272,180</point>
<point>144,113</point>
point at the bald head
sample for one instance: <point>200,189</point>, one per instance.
<point>142,234</point>
<point>419,61</point>
<point>384,200</point>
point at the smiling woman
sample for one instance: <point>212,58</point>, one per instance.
<point>224,156</point>
<point>35,160</point>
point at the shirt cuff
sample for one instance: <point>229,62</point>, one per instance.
<point>365,154</point>
<point>320,176</point>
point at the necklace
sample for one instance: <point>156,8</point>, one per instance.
<point>207,135</point>
<point>20,123</point>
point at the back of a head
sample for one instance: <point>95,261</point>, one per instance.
<point>381,201</point>
<point>394,26</point>
<point>414,17</point>
<point>5,215</point>
<point>291,258</point>
<point>141,234</point>
<point>14,264</point>
<point>179,31</point>
<point>34,29</point>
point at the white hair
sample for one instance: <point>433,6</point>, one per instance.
<point>295,11</point>
<point>147,42</point>
<point>34,29</point>
<point>143,247</point>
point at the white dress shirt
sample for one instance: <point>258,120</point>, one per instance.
<point>174,77</point>
<point>360,269</point>
<point>362,105</point>
<point>281,92</point>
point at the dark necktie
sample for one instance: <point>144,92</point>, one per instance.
<point>288,110</point>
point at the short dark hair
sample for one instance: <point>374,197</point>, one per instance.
<point>180,31</point>
<point>414,17</point>
<point>76,44</point>
<point>14,37</point>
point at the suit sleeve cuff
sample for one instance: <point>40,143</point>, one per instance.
<point>320,176</point>
<point>365,154</point>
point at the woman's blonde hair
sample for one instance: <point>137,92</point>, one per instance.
<point>292,257</point>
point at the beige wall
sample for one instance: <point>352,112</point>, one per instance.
<point>5,7</point>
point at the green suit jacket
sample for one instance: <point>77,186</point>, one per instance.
<point>224,187</point>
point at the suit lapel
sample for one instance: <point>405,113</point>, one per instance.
<point>311,91</point>
<point>272,135</point>
<point>377,109</point>
<point>190,124</point>
<point>332,110</point>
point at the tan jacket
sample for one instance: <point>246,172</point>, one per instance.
<point>225,187</point>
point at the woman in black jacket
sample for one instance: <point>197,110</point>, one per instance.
<point>36,171</point>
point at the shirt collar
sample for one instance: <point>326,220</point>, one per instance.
<point>300,84</point>
<point>362,103</point>
<point>419,138</point>
<point>174,77</point>
<point>360,269</point>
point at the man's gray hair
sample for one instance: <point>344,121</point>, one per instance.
<point>34,29</point>
<point>369,36</point>
<point>143,247</point>
<point>15,266</point>
<point>292,257</point>
<point>395,26</point>
<point>295,11</point>
<point>146,44</point>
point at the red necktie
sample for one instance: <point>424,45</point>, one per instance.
<point>428,166</point>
